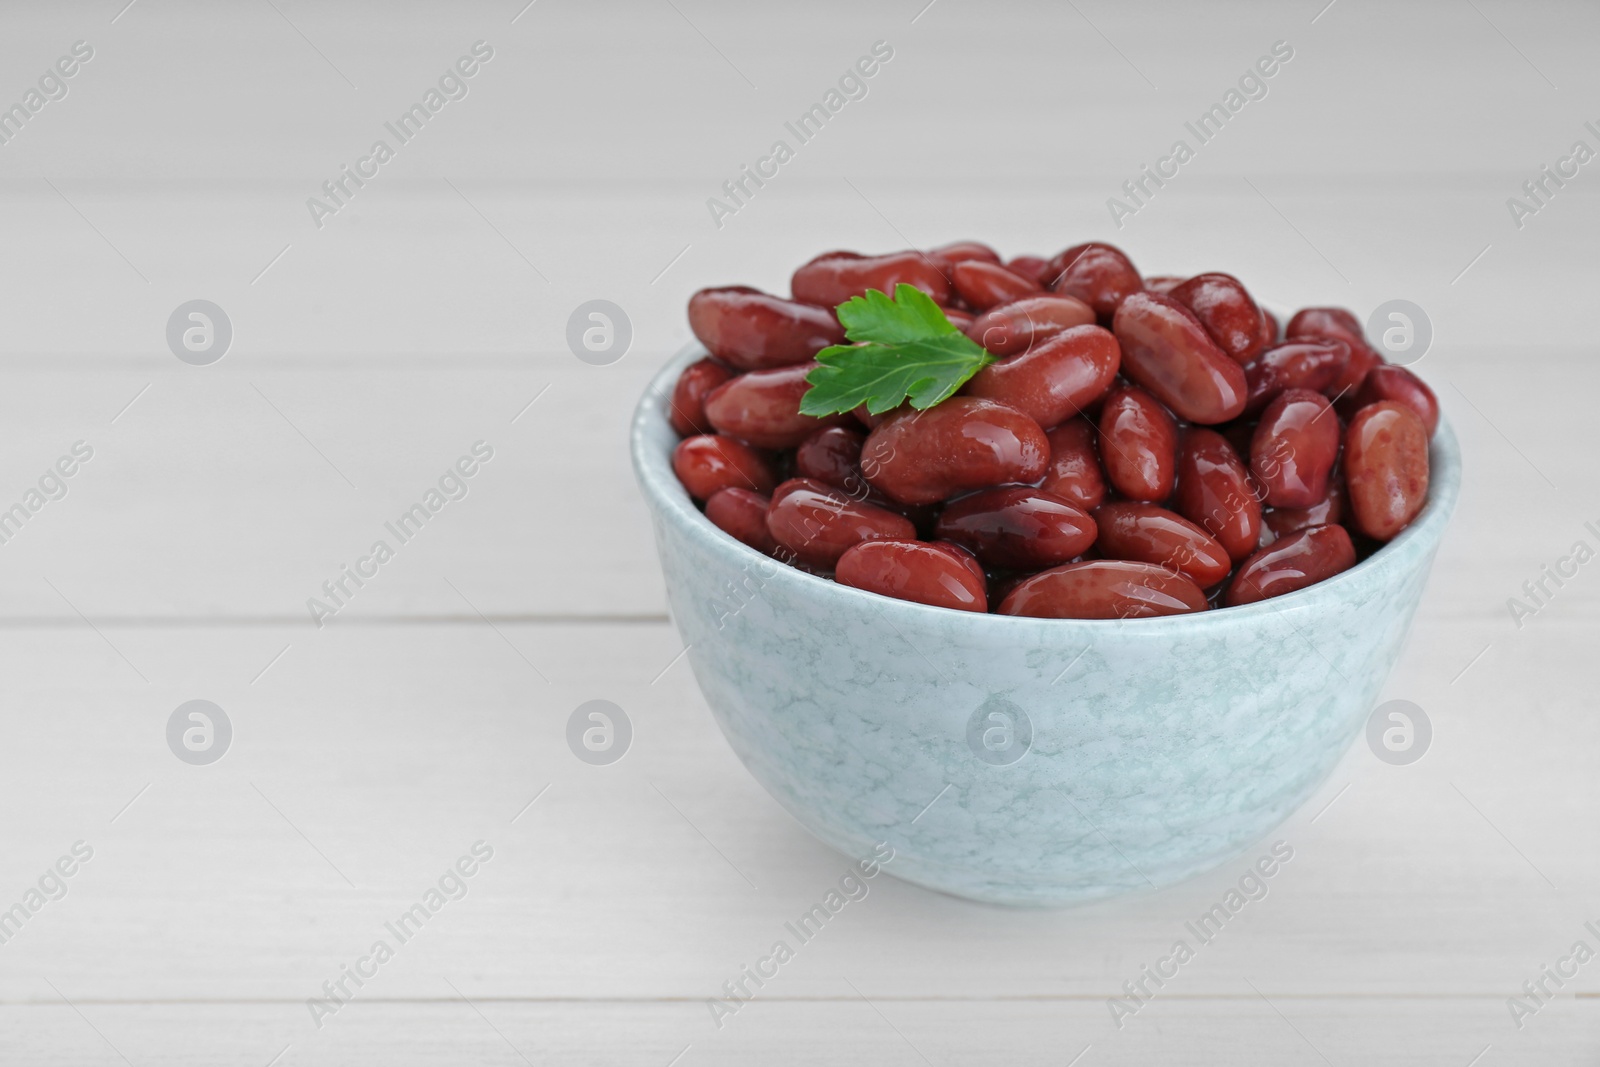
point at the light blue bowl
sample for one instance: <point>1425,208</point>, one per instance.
<point>1159,748</point>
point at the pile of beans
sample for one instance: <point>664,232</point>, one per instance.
<point>1142,446</point>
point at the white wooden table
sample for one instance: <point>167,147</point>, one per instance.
<point>371,754</point>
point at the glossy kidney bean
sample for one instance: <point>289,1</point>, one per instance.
<point>1012,329</point>
<point>965,251</point>
<point>1163,284</point>
<point>1225,309</point>
<point>984,285</point>
<point>756,331</point>
<point>1074,473</point>
<point>1294,447</point>
<point>1281,522</point>
<point>1034,267</point>
<point>1138,445</point>
<point>742,514</point>
<point>958,318</point>
<point>964,557</point>
<point>1098,274</point>
<point>709,462</point>
<point>1215,491</point>
<point>1269,328</point>
<point>1166,350</point>
<point>833,278</point>
<point>1385,468</point>
<point>1150,534</point>
<point>832,455</point>
<point>1017,527</point>
<point>818,523</point>
<point>687,409</point>
<point>1055,379</point>
<point>1385,382</point>
<point>763,407</point>
<point>1313,363</point>
<point>1303,558</point>
<point>1104,589</point>
<point>1340,325</point>
<point>965,443</point>
<point>912,570</point>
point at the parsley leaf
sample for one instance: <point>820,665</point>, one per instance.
<point>906,349</point>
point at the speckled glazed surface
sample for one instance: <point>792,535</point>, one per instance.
<point>1159,747</point>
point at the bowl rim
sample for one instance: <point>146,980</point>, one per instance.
<point>668,500</point>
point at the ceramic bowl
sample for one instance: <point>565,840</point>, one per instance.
<point>1029,761</point>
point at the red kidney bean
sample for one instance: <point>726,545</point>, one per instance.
<point>1385,382</point>
<point>911,570</point>
<point>1269,328</point>
<point>763,407</point>
<point>687,409</point>
<point>1225,309</point>
<point>1294,447</point>
<point>1340,325</point>
<point>832,455</point>
<point>1012,329</point>
<point>1074,473</point>
<point>1138,445</point>
<point>964,251</point>
<point>1017,527</point>
<point>965,443</point>
<point>961,555</point>
<point>818,523</point>
<point>1310,363</point>
<point>1150,534</point>
<point>985,285</point>
<point>1215,492</point>
<point>709,462</point>
<point>742,514</point>
<point>1281,522</point>
<point>958,318</point>
<point>755,331</point>
<point>1385,468</point>
<point>1163,284</point>
<point>1104,589</point>
<point>1098,274</point>
<point>1034,267</point>
<point>1303,558</point>
<point>1166,350</point>
<point>1055,379</point>
<point>835,277</point>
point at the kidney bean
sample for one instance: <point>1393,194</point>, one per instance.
<point>1340,325</point>
<point>709,462</point>
<point>1104,589</point>
<point>1303,558</point>
<point>1012,329</point>
<point>911,570</point>
<point>965,251</point>
<point>1034,267</point>
<point>1017,527</point>
<point>965,443</point>
<point>835,277</point>
<point>687,409</point>
<point>1150,534</point>
<point>832,455</point>
<point>1215,492</point>
<point>1385,468</point>
<point>1138,445</point>
<point>818,523</point>
<point>1225,309</point>
<point>958,318</point>
<point>1281,522</point>
<point>1385,382</point>
<point>961,555</point>
<point>1055,379</point>
<point>1098,274</point>
<point>1163,284</point>
<point>1294,447</point>
<point>985,285</point>
<point>756,331</point>
<point>1166,350</point>
<point>1310,363</point>
<point>1074,473</point>
<point>742,514</point>
<point>763,407</point>
<point>1269,328</point>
